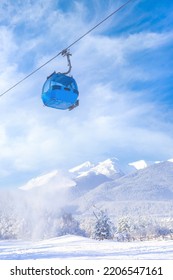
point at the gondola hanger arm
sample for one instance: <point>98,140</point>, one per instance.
<point>67,53</point>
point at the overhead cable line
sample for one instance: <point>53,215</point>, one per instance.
<point>61,52</point>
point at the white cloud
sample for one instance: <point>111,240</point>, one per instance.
<point>111,117</point>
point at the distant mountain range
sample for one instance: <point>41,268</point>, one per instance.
<point>108,168</point>
<point>106,184</point>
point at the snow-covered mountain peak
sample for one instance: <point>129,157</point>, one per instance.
<point>140,164</point>
<point>108,168</point>
<point>82,167</point>
<point>54,179</point>
<point>39,181</point>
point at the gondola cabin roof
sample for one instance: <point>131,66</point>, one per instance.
<point>60,91</point>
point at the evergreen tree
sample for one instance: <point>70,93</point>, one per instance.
<point>104,228</point>
<point>124,229</point>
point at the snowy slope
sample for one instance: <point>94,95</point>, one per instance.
<point>90,181</point>
<point>149,191</point>
<point>75,247</point>
<point>152,183</point>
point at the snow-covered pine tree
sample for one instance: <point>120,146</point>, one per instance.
<point>104,228</point>
<point>124,229</point>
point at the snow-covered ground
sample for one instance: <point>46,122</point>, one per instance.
<point>75,247</point>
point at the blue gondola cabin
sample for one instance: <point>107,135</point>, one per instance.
<point>60,92</point>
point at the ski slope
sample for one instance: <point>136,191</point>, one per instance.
<point>74,247</point>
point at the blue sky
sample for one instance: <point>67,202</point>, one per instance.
<point>124,72</point>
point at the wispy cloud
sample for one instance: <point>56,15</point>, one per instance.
<point>118,76</point>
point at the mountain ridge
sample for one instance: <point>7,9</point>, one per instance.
<point>149,189</point>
